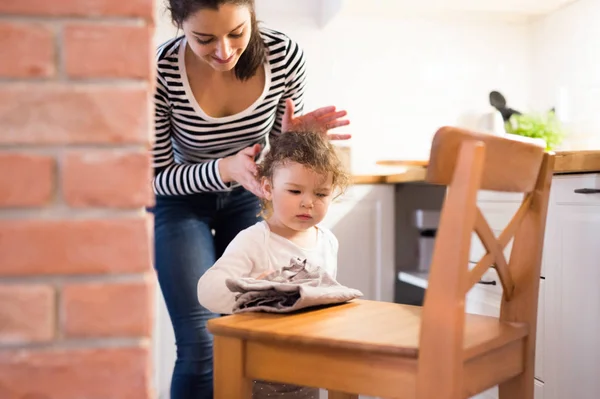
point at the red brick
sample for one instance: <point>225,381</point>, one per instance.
<point>129,8</point>
<point>74,114</point>
<point>108,178</point>
<point>115,373</point>
<point>33,185</point>
<point>108,51</point>
<point>47,247</point>
<point>97,309</point>
<point>27,313</point>
<point>26,50</point>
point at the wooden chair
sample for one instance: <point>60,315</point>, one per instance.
<point>435,352</point>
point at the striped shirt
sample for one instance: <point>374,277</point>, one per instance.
<point>189,143</point>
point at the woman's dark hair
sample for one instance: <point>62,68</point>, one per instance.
<point>256,52</point>
<point>310,149</point>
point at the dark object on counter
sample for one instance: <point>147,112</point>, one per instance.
<point>498,101</point>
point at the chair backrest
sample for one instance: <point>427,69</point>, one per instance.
<point>467,162</point>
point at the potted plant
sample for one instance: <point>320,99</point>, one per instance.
<point>544,126</point>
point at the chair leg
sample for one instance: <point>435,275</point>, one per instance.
<point>229,379</point>
<point>340,395</point>
<point>522,385</point>
<point>519,387</point>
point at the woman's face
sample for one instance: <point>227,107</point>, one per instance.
<point>219,37</point>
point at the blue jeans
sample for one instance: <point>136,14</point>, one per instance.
<point>185,248</point>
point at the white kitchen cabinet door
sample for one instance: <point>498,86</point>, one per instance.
<point>498,209</point>
<point>485,300</point>
<point>363,222</point>
<point>573,354</point>
<point>538,390</point>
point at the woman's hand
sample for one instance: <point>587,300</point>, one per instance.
<point>241,168</point>
<point>320,120</point>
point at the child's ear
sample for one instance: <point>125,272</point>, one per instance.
<point>267,188</point>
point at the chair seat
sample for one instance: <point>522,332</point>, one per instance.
<point>376,327</point>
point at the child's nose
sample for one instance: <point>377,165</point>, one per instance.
<point>307,202</point>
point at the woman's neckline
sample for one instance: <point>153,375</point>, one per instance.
<point>192,99</point>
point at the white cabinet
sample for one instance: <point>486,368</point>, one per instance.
<point>485,300</point>
<point>485,297</point>
<point>568,350</point>
<point>573,313</point>
<point>363,222</point>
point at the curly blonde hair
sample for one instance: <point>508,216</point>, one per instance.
<point>310,149</point>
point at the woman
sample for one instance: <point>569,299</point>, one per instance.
<point>223,88</point>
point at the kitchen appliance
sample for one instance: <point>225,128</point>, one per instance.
<point>427,222</point>
<point>492,123</point>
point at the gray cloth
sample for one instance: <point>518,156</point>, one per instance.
<point>297,286</point>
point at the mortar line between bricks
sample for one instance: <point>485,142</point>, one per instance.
<point>57,201</point>
<point>61,73</point>
<point>62,212</point>
<point>59,314</point>
<point>6,82</point>
<point>84,19</point>
<point>80,343</point>
<point>57,148</point>
<point>58,184</point>
<point>59,281</point>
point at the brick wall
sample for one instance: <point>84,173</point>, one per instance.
<point>76,282</point>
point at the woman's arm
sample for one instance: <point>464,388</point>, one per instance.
<point>171,178</point>
<point>244,253</point>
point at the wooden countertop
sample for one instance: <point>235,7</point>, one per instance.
<point>404,171</point>
<point>577,161</point>
<point>389,175</point>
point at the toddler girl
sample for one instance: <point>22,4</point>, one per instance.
<point>300,176</point>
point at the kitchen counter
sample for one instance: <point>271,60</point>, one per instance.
<point>389,175</point>
<point>405,171</point>
<point>577,161</point>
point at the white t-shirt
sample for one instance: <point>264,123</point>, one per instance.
<point>254,251</point>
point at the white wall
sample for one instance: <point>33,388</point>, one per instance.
<point>401,79</point>
<point>566,65</point>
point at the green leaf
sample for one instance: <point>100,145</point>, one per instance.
<point>544,126</point>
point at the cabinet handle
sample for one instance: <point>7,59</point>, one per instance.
<point>587,191</point>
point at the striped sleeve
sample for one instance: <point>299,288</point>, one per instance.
<point>295,81</point>
<point>172,178</point>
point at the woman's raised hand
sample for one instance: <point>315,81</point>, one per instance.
<point>241,168</point>
<point>320,120</point>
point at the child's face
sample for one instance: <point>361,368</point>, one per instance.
<point>299,196</point>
